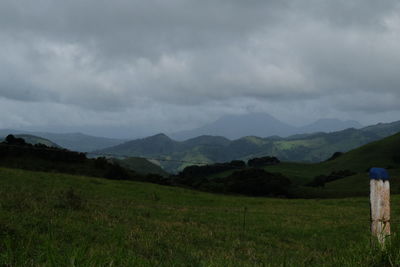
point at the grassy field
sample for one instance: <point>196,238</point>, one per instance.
<point>63,220</point>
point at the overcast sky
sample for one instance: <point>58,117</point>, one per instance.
<point>128,68</point>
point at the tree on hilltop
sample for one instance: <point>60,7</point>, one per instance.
<point>12,140</point>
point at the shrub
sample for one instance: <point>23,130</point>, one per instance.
<point>12,140</point>
<point>100,163</point>
<point>257,182</point>
<point>264,161</point>
<point>117,172</point>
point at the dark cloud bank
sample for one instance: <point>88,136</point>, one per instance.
<point>131,68</point>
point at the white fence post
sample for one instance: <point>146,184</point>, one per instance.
<point>380,204</point>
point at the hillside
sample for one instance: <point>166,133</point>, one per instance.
<point>160,146</point>
<point>383,129</point>
<point>383,153</point>
<point>16,153</point>
<point>32,139</point>
<point>57,220</point>
<point>208,149</point>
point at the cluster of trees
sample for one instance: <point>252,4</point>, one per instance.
<point>247,179</point>
<point>321,180</point>
<point>13,147</point>
<point>12,140</point>
<point>206,170</point>
<point>256,182</point>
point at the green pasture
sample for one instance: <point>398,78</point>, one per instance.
<point>63,220</point>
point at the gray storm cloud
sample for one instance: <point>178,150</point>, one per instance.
<point>143,57</point>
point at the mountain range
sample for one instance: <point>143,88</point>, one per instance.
<point>175,155</point>
<point>231,127</point>
<point>263,125</point>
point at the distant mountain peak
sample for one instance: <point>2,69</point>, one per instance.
<point>160,136</point>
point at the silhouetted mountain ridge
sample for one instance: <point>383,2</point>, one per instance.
<point>236,126</point>
<point>329,125</point>
<point>72,141</point>
<point>263,125</point>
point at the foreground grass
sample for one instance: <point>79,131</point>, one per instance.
<point>62,220</point>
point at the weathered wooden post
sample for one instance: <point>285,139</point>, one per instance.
<point>380,204</point>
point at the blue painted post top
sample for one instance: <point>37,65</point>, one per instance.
<point>378,174</point>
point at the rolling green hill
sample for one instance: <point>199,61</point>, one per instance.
<point>383,153</point>
<point>63,220</point>
<point>209,149</point>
